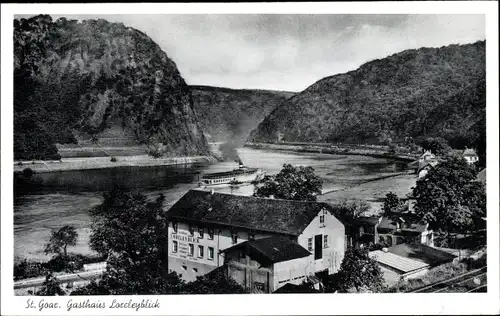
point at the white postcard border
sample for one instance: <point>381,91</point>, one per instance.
<point>284,304</point>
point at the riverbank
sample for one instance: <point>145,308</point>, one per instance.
<point>89,163</point>
<point>374,191</point>
<point>338,149</point>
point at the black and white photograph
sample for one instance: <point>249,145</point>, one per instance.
<point>164,155</point>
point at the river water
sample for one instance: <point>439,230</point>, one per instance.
<point>64,198</point>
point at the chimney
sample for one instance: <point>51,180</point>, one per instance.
<point>384,249</point>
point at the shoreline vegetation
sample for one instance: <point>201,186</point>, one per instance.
<point>144,160</point>
<point>89,163</point>
<point>375,151</point>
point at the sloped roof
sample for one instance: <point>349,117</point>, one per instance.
<point>293,288</point>
<point>272,249</point>
<point>469,152</point>
<point>427,153</point>
<point>272,215</point>
<point>388,223</point>
<point>402,264</point>
<point>481,176</point>
<point>422,253</point>
<point>370,220</point>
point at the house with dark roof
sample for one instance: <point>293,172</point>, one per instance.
<point>404,228</point>
<point>397,228</point>
<point>264,265</point>
<point>203,224</point>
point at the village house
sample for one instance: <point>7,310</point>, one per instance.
<point>392,230</point>
<point>265,265</point>
<point>425,163</point>
<point>470,156</point>
<point>203,224</point>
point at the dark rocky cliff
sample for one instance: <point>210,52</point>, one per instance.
<point>85,80</point>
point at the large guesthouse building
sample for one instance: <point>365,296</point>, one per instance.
<point>203,224</point>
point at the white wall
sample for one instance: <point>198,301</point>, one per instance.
<point>222,240</point>
<point>332,255</point>
<point>292,271</point>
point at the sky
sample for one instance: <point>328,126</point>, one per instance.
<point>290,52</point>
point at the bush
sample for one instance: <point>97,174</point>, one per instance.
<point>113,159</point>
<point>28,269</point>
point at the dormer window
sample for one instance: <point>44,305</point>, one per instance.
<point>174,227</point>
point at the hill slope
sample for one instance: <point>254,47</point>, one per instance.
<point>81,80</point>
<point>415,93</point>
<point>229,114</point>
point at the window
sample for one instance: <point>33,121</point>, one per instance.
<point>210,253</point>
<point>191,230</point>
<point>310,244</point>
<point>251,236</point>
<point>175,245</point>
<point>200,251</point>
<point>322,219</point>
<point>185,268</point>
<point>211,233</point>
<point>234,237</point>
<point>174,227</point>
<point>191,250</point>
<point>195,270</point>
<point>325,241</point>
<point>201,231</point>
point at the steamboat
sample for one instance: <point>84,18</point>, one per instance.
<point>237,176</point>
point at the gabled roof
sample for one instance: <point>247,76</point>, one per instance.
<point>389,224</point>
<point>427,153</point>
<point>481,176</point>
<point>422,253</point>
<point>271,215</point>
<point>469,152</point>
<point>402,264</point>
<point>367,220</point>
<point>293,288</point>
<point>272,249</point>
<point>428,164</point>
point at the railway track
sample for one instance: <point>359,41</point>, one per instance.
<point>459,281</point>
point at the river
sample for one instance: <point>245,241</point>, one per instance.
<point>64,198</point>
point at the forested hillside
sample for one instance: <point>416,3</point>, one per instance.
<point>230,114</point>
<point>84,79</point>
<point>426,92</point>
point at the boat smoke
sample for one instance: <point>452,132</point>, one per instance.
<point>229,152</point>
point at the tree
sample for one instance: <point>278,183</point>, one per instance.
<point>61,239</point>
<point>391,203</point>
<point>448,198</point>
<point>291,183</point>
<point>437,145</point>
<point>133,232</point>
<point>93,288</point>
<point>348,211</point>
<point>359,272</point>
<point>51,287</point>
<point>214,283</point>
